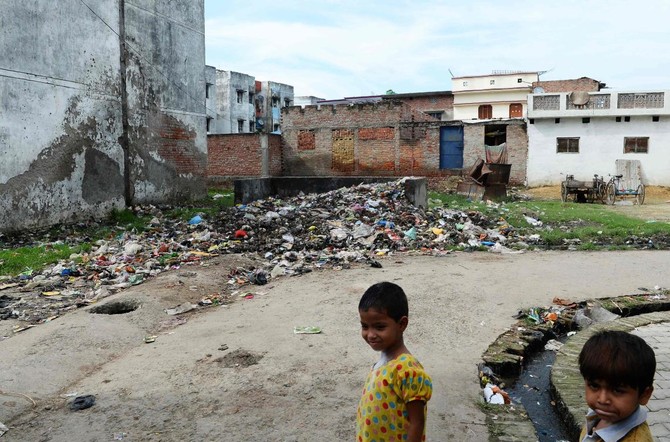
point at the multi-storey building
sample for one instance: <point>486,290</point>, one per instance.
<point>237,103</point>
<point>501,95</point>
<point>584,133</point>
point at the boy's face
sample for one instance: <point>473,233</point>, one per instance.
<point>614,403</point>
<point>380,331</point>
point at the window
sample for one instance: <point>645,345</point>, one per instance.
<point>519,80</point>
<point>436,115</point>
<point>626,119</point>
<point>251,98</point>
<point>485,111</point>
<point>465,83</point>
<point>618,119</point>
<point>208,86</point>
<point>240,126</point>
<point>635,144</point>
<point>492,82</point>
<point>275,128</point>
<point>275,101</point>
<point>240,96</point>
<point>557,120</point>
<point>567,145</point>
<point>655,118</point>
<point>586,120</point>
<point>516,110</point>
<point>209,124</point>
<point>287,102</point>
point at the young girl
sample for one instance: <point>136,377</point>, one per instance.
<point>393,404</point>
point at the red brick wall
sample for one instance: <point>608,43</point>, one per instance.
<point>388,138</point>
<point>580,84</point>
<point>435,103</point>
<point>517,147</point>
<point>175,145</point>
<point>275,155</point>
<point>236,155</point>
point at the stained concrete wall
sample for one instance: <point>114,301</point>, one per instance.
<point>62,126</point>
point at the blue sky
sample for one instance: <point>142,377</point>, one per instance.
<point>332,49</point>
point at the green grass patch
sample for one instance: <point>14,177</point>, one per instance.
<point>33,259</point>
<point>591,223</point>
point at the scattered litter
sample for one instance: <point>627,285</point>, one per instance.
<point>183,308</point>
<point>150,339</point>
<point>195,220</point>
<point>311,330</point>
<point>119,436</point>
<point>553,345</point>
<point>82,402</point>
<point>494,395</point>
<point>3,429</point>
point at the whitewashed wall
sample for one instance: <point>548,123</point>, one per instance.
<point>600,144</point>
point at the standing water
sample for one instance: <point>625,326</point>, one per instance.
<point>532,391</point>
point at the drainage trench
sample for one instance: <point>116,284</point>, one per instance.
<point>532,390</point>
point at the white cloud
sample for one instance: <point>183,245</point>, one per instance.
<point>344,48</point>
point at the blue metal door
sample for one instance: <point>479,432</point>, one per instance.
<point>451,147</point>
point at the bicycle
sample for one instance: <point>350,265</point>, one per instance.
<point>615,188</point>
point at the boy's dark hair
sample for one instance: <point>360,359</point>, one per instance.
<point>386,297</point>
<point>618,358</point>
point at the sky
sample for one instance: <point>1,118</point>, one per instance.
<point>333,49</point>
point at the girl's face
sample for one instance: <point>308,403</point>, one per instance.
<point>380,331</point>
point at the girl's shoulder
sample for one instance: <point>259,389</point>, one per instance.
<point>405,360</point>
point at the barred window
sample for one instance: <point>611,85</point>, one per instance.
<point>567,145</point>
<point>635,144</point>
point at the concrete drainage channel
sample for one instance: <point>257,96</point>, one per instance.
<point>523,371</point>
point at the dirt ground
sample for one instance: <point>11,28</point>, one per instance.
<point>238,372</point>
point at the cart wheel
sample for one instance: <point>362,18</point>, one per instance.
<point>564,192</point>
<point>610,194</point>
<point>640,194</point>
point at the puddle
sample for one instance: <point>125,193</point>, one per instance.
<point>115,308</point>
<point>533,391</point>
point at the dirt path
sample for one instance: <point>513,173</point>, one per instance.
<point>240,373</point>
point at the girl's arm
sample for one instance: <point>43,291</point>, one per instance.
<point>417,420</point>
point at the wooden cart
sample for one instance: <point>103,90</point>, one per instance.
<point>583,191</point>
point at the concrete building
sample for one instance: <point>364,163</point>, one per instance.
<point>306,100</point>
<point>584,133</point>
<point>501,95</point>
<point>240,104</point>
<point>102,107</point>
<point>271,98</point>
<point>231,102</point>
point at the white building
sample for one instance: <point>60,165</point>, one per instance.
<point>584,133</point>
<point>501,95</point>
<point>237,103</point>
<point>230,100</point>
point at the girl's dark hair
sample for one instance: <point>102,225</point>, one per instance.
<point>386,297</point>
<point>618,358</point>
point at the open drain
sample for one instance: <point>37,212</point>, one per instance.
<point>115,308</point>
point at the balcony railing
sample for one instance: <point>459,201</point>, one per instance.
<point>599,103</point>
<point>653,100</point>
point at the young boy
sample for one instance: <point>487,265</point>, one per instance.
<point>393,403</point>
<point>618,370</point>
